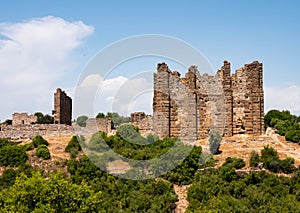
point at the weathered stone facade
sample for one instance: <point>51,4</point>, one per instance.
<point>189,107</point>
<point>62,108</point>
<point>23,119</point>
<point>99,124</point>
<point>29,131</point>
<point>142,121</point>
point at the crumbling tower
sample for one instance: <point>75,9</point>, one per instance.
<point>62,108</point>
<point>189,107</point>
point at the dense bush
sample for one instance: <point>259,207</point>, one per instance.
<point>184,173</point>
<point>270,159</point>
<point>121,195</point>
<point>43,152</point>
<point>254,159</point>
<point>44,119</point>
<point>222,190</point>
<point>293,135</point>
<point>28,146</point>
<point>5,142</point>
<point>286,124</point>
<point>12,155</point>
<point>39,140</point>
<point>51,194</point>
<point>236,163</point>
<point>73,146</point>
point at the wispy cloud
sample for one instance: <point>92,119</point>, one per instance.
<point>285,97</point>
<point>34,54</point>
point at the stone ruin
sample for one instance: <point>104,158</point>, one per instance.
<point>23,119</point>
<point>142,121</point>
<point>62,108</point>
<point>189,107</point>
<point>99,124</point>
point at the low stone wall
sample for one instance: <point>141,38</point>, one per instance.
<point>29,131</point>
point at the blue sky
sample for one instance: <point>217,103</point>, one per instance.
<point>240,31</point>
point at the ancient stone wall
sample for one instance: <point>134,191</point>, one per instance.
<point>189,107</point>
<point>99,124</point>
<point>62,108</point>
<point>23,119</point>
<point>142,121</point>
<point>29,131</point>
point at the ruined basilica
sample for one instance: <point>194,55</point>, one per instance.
<point>189,107</point>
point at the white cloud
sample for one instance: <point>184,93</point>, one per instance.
<point>283,98</point>
<point>118,94</point>
<point>34,54</point>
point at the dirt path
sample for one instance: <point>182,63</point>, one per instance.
<point>182,202</point>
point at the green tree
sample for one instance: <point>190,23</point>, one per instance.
<point>254,159</point>
<point>43,152</point>
<point>81,120</point>
<point>293,135</point>
<point>73,146</point>
<point>236,163</point>
<point>12,156</point>
<point>100,115</point>
<point>39,140</point>
<point>52,194</point>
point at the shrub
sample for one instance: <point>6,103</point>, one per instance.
<point>39,140</point>
<point>5,142</point>
<point>28,146</point>
<point>73,146</point>
<point>236,163</point>
<point>12,156</point>
<point>254,159</point>
<point>293,135</point>
<point>287,165</point>
<point>43,152</point>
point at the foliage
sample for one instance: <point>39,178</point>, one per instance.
<point>293,135</point>
<point>279,115</point>
<point>44,119</point>
<point>12,155</point>
<point>184,173</point>
<point>213,191</point>
<point>28,146</point>
<point>236,163</point>
<point>270,159</point>
<point>121,195</point>
<point>42,151</point>
<point>286,124</point>
<point>100,115</point>
<point>73,146</point>
<point>5,142</point>
<point>117,119</point>
<point>254,159</point>
<point>206,160</point>
<point>81,120</point>
<point>214,141</point>
<point>39,140</point>
<point>52,194</point>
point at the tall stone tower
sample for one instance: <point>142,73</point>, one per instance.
<point>189,107</point>
<point>62,108</point>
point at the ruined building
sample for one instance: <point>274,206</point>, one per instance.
<point>189,107</point>
<point>142,121</point>
<point>23,119</point>
<point>62,108</point>
<point>99,124</point>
